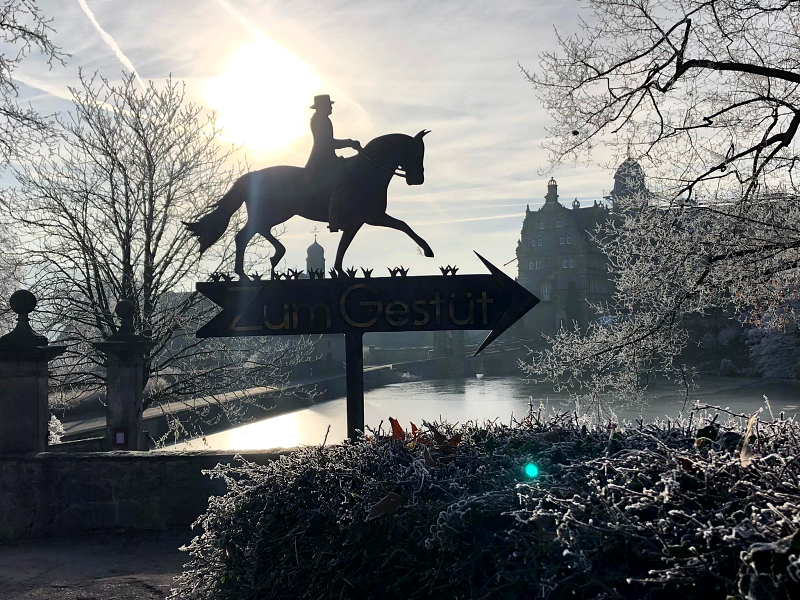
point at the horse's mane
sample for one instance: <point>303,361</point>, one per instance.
<point>386,140</point>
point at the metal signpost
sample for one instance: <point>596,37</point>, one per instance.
<point>355,306</point>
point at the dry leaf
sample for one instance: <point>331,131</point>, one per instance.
<point>387,505</point>
<point>429,462</point>
<point>437,437</point>
<point>414,429</point>
<point>745,456</point>
<point>455,440</point>
<point>397,431</point>
<point>701,443</point>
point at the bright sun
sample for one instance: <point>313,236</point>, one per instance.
<point>262,99</point>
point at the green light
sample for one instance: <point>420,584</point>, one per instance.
<point>531,470</point>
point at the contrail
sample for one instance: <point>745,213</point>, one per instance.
<point>47,88</point>
<point>470,219</point>
<point>110,42</point>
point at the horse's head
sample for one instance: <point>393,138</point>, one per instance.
<point>412,162</point>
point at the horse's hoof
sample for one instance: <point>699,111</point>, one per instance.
<point>429,253</point>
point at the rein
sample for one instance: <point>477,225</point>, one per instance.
<point>380,165</point>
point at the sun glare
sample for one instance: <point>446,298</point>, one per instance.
<point>262,99</point>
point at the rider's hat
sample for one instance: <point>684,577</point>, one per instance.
<point>321,101</point>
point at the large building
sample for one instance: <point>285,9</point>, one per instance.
<point>559,261</point>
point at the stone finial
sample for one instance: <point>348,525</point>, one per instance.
<point>22,302</point>
<point>126,311</point>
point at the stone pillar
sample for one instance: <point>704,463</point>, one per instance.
<point>24,355</point>
<point>126,354</point>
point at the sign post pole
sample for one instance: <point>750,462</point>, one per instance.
<point>354,371</point>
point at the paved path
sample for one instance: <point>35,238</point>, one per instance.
<point>130,566</point>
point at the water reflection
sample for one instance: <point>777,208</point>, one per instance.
<point>481,399</point>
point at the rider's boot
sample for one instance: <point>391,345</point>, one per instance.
<point>333,211</point>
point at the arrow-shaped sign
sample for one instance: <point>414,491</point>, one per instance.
<point>352,305</point>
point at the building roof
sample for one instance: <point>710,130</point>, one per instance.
<point>629,179</point>
<point>315,250</point>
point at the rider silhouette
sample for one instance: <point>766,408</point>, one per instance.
<point>324,167</point>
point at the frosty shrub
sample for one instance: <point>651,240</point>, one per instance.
<point>55,430</point>
<point>774,353</point>
<point>729,335</point>
<point>727,368</point>
<point>709,340</point>
<point>645,511</point>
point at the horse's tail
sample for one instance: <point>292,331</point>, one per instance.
<point>210,227</point>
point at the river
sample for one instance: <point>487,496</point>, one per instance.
<point>460,400</point>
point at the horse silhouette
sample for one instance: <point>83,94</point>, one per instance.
<point>275,194</point>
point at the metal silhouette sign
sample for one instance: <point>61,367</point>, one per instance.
<point>347,193</point>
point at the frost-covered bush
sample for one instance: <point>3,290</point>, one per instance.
<point>709,340</point>
<point>727,368</point>
<point>55,430</point>
<point>729,335</point>
<point>775,353</point>
<point>649,511</point>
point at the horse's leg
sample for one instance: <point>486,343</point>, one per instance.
<point>347,236</point>
<point>242,239</point>
<point>280,249</point>
<point>385,220</point>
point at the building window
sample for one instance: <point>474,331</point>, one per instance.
<point>569,239</point>
<point>567,263</point>
<point>533,241</point>
<point>531,265</point>
<point>539,241</point>
<point>541,225</point>
<point>561,240</point>
<point>558,223</point>
<point>537,265</point>
<point>571,264</point>
<point>546,291</point>
<point>597,288</point>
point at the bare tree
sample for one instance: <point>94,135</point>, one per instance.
<point>101,220</point>
<point>23,29</point>
<point>705,95</point>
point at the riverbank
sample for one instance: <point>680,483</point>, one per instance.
<point>85,425</point>
<point>471,399</point>
<point>256,404</point>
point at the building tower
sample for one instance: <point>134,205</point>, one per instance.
<point>315,257</point>
<point>629,182</point>
<point>552,192</point>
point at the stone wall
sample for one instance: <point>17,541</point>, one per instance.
<point>55,494</point>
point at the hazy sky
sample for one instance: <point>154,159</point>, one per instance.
<point>447,66</point>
